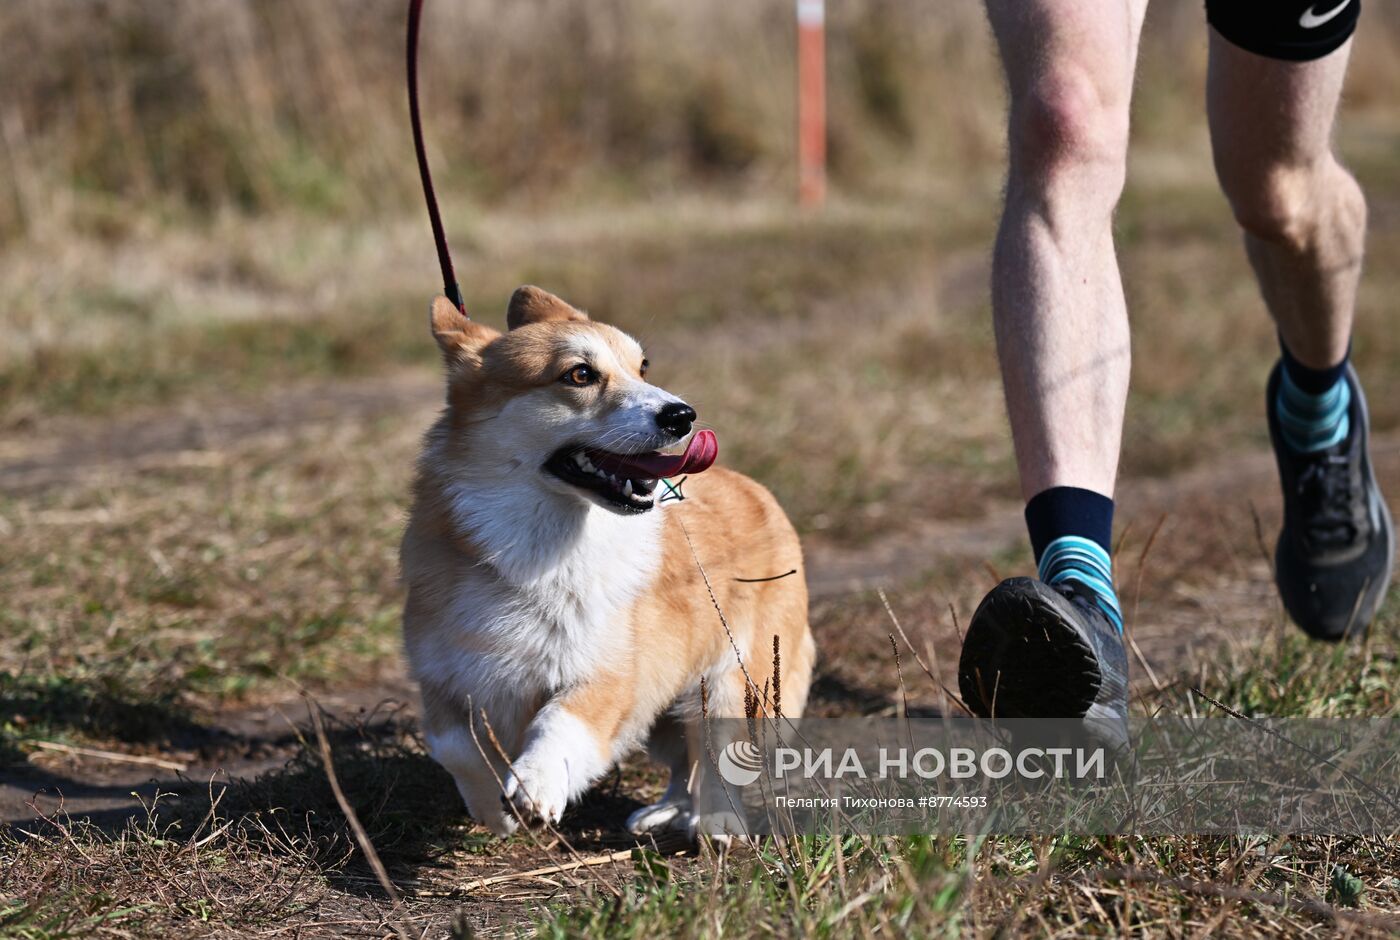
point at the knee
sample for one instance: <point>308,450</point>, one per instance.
<point>1290,203</point>
<point>1068,127</point>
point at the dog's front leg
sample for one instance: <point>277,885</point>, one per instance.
<point>469,755</point>
<point>569,745</point>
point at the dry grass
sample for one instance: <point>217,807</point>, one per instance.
<point>251,105</point>
<point>262,858</point>
<point>314,533</point>
<point>151,113</point>
<point>208,578</point>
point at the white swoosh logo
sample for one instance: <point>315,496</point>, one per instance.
<point>1311,20</point>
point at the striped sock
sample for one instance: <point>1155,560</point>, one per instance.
<point>1074,558</point>
<point>1311,420</point>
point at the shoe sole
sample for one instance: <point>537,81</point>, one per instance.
<point>1024,657</point>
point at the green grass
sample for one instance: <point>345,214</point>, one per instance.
<point>1292,676</point>
<point>921,886</point>
<point>801,888</point>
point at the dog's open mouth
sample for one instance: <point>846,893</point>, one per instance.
<point>628,481</point>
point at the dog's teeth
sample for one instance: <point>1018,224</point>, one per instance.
<point>627,488</point>
<point>599,473</point>
<point>584,463</point>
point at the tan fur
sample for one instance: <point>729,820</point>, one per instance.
<point>529,304</point>
<point>661,644</point>
<point>738,531</point>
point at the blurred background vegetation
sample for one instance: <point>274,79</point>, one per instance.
<point>115,110</point>
<point>221,191</point>
<point>255,105</point>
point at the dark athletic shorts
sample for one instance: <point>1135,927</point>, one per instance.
<point>1296,30</point>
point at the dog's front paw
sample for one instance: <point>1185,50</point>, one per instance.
<point>538,792</point>
<point>720,828</point>
<point>665,816</point>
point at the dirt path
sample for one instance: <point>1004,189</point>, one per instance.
<point>1207,517</point>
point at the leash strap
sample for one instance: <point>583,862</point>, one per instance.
<point>449,276</point>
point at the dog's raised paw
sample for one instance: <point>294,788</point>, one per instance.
<point>538,793</point>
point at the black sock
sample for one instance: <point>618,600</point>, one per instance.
<point>1070,530</point>
<point>1310,380</point>
<point>1069,510</point>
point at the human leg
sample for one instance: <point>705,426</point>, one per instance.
<point>1062,342</point>
<point>1272,110</point>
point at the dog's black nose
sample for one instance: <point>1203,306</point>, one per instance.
<point>676,417</point>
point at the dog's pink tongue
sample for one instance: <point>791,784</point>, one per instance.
<point>699,455</point>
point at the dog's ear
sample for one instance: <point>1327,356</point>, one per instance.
<point>459,338</point>
<point>531,305</point>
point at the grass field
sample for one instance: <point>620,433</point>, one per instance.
<point>211,394</point>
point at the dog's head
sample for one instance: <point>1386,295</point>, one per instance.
<point>562,402</point>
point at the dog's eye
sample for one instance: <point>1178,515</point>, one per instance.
<point>645,366</point>
<point>580,376</point>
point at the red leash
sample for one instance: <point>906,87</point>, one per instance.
<point>449,276</point>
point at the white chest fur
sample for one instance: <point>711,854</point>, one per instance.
<point>548,604</point>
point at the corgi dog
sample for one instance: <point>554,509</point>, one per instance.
<point>557,615</point>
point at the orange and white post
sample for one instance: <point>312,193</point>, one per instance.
<point>811,102</point>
